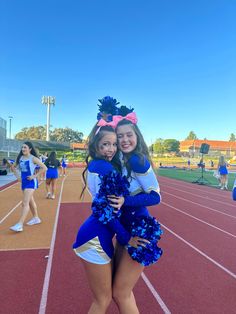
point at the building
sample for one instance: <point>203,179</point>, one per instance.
<point>192,147</point>
<point>79,146</point>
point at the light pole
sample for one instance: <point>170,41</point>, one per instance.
<point>48,100</point>
<point>10,118</point>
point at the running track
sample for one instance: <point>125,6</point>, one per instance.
<point>196,274</point>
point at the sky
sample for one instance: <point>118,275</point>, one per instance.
<point>173,61</point>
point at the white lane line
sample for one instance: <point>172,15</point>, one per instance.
<point>155,294</point>
<point>188,186</point>
<point>202,253</point>
<point>198,219</point>
<point>10,186</point>
<point>215,210</point>
<point>25,249</point>
<point>43,303</point>
<point>13,209</point>
<point>204,197</point>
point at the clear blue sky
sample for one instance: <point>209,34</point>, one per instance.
<point>174,61</point>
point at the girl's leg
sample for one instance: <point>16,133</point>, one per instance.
<point>53,185</point>
<point>33,207</point>
<point>127,273</point>
<point>48,182</point>
<point>27,195</point>
<point>100,282</point>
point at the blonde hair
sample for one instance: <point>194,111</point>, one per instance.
<point>222,160</point>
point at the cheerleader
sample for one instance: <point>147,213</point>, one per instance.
<point>63,165</point>
<point>52,174</point>
<point>94,244</point>
<point>145,191</point>
<point>234,191</point>
<point>26,162</point>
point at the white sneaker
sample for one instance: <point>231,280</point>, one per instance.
<point>17,227</point>
<point>53,197</point>
<point>34,221</point>
<point>48,195</point>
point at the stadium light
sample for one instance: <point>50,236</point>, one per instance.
<point>10,118</point>
<point>48,100</point>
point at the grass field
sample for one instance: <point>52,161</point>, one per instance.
<point>193,174</point>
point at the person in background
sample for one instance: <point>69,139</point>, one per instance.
<point>223,171</point>
<point>63,165</point>
<point>26,162</point>
<point>52,174</point>
<point>234,191</point>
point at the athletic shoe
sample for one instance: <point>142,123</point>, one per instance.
<point>34,221</point>
<point>48,195</point>
<point>17,227</point>
<point>53,197</point>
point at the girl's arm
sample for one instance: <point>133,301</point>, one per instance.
<point>42,169</point>
<point>14,169</point>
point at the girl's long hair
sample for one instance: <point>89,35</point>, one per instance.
<point>32,152</point>
<point>94,138</point>
<point>52,157</point>
<point>141,148</point>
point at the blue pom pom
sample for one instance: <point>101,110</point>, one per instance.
<point>111,184</point>
<point>148,228</point>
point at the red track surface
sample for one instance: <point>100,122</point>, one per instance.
<point>196,274</point>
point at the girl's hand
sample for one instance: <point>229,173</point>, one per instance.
<point>136,242</point>
<point>116,201</point>
<point>31,177</point>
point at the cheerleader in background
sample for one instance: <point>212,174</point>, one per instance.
<point>63,165</point>
<point>234,191</point>
<point>52,174</point>
<point>26,162</point>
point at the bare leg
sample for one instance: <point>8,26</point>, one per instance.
<point>127,273</point>
<point>33,207</point>
<point>53,184</point>
<point>48,183</point>
<point>27,195</point>
<point>99,277</point>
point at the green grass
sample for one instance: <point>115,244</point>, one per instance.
<point>193,175</point>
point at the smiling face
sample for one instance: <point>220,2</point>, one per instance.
<point>107,146</point>
<point>25,150</point>
<point>127,138</point>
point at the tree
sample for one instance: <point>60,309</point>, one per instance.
<point>66,135</point>
<point>171,145</point>
<point>57,135</point>
<point>232,137</point>
<point>191,136</point>
<point>158,146</point>
<point>32,133</point>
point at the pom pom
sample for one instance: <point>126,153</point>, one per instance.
<point>148,228</point>
<point>123,111</point>
<point>111,184</point>
<point>108,106</point>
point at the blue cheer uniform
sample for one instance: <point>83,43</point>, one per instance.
<point>63,162</point>
<point>94,239</point>
<point>223,169</point>
<point>52,171</point>
<point>144,190</point>
<point>27,168</point>
<point>234,191</point>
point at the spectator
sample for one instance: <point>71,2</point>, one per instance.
<point>223,171</point>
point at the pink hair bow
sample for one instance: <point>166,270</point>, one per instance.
<point>103,122</point>
<point>116,119</point>
<point>130,117</point>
